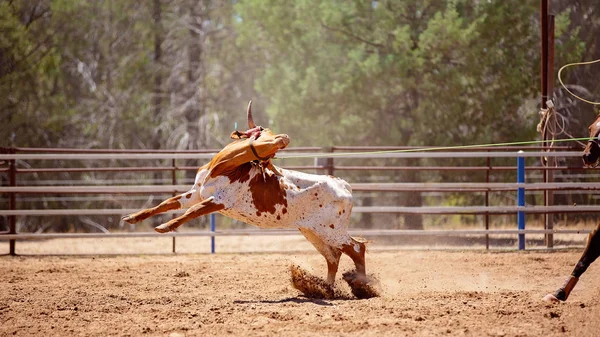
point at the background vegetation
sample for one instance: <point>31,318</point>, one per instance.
<point>178,73</point>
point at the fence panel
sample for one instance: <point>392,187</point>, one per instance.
<point>35,179</point>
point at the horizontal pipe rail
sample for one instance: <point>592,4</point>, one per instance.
<point>76,150</point>
<point>466,186</point>
<point>282,232</point>
<point>283,155</point>
<point>134,169</point>
<point>470,186</point>
<point>297,167</point>
<point>124,189</point>
<point>473,148</point>
<point>142,197</point>
<point>417,154</point>
<point>474,210</point>
<point>453,168</point>
<point>106,156</point>
<point>98,169</point>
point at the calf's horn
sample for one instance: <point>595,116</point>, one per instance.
<point>249,114</point>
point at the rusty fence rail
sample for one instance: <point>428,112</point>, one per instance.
<point>21,161</point>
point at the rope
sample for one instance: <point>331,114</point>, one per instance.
<point>530,142</point>
<point>552,123</point>
<point>546,128</point>
<point>567,89</point>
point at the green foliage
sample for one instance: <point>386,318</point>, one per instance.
<point>409,73</point>
<point>333,72</point>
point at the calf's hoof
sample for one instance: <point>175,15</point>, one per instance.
<point>362,286</point>
<point>162,228</point>
<point>311,286</point>
<point>129,219</point>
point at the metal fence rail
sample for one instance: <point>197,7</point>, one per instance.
<point>356,209</point>
<point>281,232</point>
<point>461,186</point>
<point>284,155</point>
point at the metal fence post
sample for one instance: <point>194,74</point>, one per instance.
<point>212,229</point>
<point>487,202</point>
<point>521,198</point>
<point>325,162</point>
<point>174,182</point>
<point>552,126</point>
<point>330,166</point>
<point>12,201</point>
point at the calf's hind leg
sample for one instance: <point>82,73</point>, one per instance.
<point>356,251</point>
<point>331,254</point>
<point>312,286</point>
<point>362,286</point>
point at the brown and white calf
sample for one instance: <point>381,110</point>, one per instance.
<point>241,182</point>
<point>591,158</point>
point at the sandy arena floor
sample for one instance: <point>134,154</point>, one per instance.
<point>425,293</point>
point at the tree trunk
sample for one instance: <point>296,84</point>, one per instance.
<point>193,108</point>
<point>157,97</point>
<point>194,104</point>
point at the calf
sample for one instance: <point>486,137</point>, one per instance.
<point>241,182</point>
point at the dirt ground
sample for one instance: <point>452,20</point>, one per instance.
<point>424,293</point>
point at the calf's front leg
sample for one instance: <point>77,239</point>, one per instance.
<point>167,205</point>
<point>202,208</point>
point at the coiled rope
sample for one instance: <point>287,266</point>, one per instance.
<point>567,89</point>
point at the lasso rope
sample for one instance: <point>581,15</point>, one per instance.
<point>559,121</point>
<point>530,142</point>
<point>567,89</point>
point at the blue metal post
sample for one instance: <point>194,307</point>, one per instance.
<point>212,229</point>
<point>521,198</point>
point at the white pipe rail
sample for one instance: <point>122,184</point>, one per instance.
<point>129,189</point>
<point>282,232</point>
<point>357,209</point>
<point>97,189</point>
<point>282,155</point>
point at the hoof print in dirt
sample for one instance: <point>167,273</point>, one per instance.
<point>362,287</point>
<point>311,286</point>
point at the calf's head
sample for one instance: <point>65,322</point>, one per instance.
<point>591,153</point>
<point>256,143</point>
<point>263,142</point>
